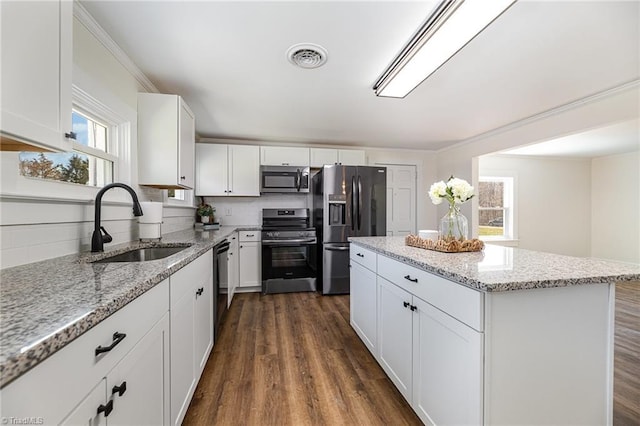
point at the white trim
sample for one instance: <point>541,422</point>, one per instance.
<point>546,114</point>
<point>85,18</point>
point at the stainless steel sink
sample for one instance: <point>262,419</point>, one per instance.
<point>143,254</point>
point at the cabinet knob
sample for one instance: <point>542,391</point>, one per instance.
<point>120,390</point>
<point>183,177</point>
<point>413,308</point>
<point>117,338</point>
<point>199,291</point>
<point>106,409</point>
<point>406,304</point>
<point>70,135</point>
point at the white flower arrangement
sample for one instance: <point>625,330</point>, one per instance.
<point>455,191</point>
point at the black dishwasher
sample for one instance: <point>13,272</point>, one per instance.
<point>221,283</point>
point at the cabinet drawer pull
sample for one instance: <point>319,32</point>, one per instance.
<point>117,338</point>
<point>408,277</point>
<point>183,177</point>
<point>120,390</point>
<point>406,304</point>
<point>106,409</point>
<point>359,254</point>
<point>199,291</point>
<point>413,308</point>
<point>70,135</point>
<point>250,235</point>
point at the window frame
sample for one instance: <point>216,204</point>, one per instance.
<point>509,223</point>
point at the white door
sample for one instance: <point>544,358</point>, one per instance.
<point>211,169</point>
<point>395,338</point>
<point>401,199</point>
<point>138,385</point>
<point>447,368</point>
<point>244,170</point>
<point>363,300</point>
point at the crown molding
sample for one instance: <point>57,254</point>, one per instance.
<point>633,84</point>
<point>105,39</point>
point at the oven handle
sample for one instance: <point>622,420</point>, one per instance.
<point>287,242</point>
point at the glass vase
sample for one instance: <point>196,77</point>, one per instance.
<point>454,225</point>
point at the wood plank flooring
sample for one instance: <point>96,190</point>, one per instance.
<point>626,360</point>
<point>293,359</point>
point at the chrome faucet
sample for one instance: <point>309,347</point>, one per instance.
<point>100,235</point>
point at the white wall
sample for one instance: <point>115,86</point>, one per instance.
<point>553,204</point>
<point>59,220</point>
<point>615,207</point>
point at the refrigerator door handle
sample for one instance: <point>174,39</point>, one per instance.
<point>359,202</point>
<point>337,248</point>
<point>354,205</point>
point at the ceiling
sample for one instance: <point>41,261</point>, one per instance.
<point>227,59</point>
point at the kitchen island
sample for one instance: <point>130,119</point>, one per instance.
<point>502,336</point>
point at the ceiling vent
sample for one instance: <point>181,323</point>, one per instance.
<point>307,55</point>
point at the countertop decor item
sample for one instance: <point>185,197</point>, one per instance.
<point>446,246</point>
<point>205,211</point>
<point>453,225</point>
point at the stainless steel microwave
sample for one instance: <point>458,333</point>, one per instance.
<point>284,179</point>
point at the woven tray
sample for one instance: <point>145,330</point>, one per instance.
<point>452,246</point>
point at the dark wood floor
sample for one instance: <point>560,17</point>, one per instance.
<point>293,359</point>
<point>626,375</point>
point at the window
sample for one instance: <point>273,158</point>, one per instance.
<point>92,162</point>
<point>495,200</point>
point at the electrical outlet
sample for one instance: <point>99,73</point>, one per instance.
<point>227,211</point>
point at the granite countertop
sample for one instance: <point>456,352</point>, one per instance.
<point>46,305</point>
<point>498,268</point>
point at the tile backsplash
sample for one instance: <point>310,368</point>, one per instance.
<point>248,210</point>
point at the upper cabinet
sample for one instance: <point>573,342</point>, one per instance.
<point>166,141</point>
<point>327,156</point>
<point>227,170</point>
<point>284,156</point>
<point>36,51</point>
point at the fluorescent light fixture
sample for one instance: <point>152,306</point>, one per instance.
<point>450,26</point>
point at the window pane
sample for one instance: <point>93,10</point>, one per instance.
<point>491,194</point>
<point>72,167</point>
<point>491,222</point>
<point>89,132</point>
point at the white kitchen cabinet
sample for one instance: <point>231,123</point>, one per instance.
<point>227,170</point>
<point>364,296</point>
<point>328,156</point>
<point>69,386</point>
<point>250,259</point>
<point>166,141</point>
<point>395,344</point>
<point>36,52</point>
<point>191,303</point>
<point>447,368</point>
<point>284,156</point>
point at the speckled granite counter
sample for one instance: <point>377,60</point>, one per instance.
<point>45,305</point>
<point>499,268</point>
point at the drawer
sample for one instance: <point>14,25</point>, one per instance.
<point>184,280</point>
<point>246,236</point>
<point>460,302</point>
<point>59,383</point>
<point>363,256</point>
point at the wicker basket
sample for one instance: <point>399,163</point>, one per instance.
<point>446,246</point>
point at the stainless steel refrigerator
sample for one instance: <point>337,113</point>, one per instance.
<point>348,201</point>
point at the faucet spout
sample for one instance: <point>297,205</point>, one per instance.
<point>98,238</point>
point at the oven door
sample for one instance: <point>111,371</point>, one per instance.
<point>288,265</point>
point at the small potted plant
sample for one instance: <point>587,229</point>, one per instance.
<point>205,211</point>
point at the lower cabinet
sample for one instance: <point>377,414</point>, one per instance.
<point>134,392</point>
<point>116,373</point>
<point>434,359</point>
<point>363,301</point>
<point>191,308</point>
<point>250,259</point>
